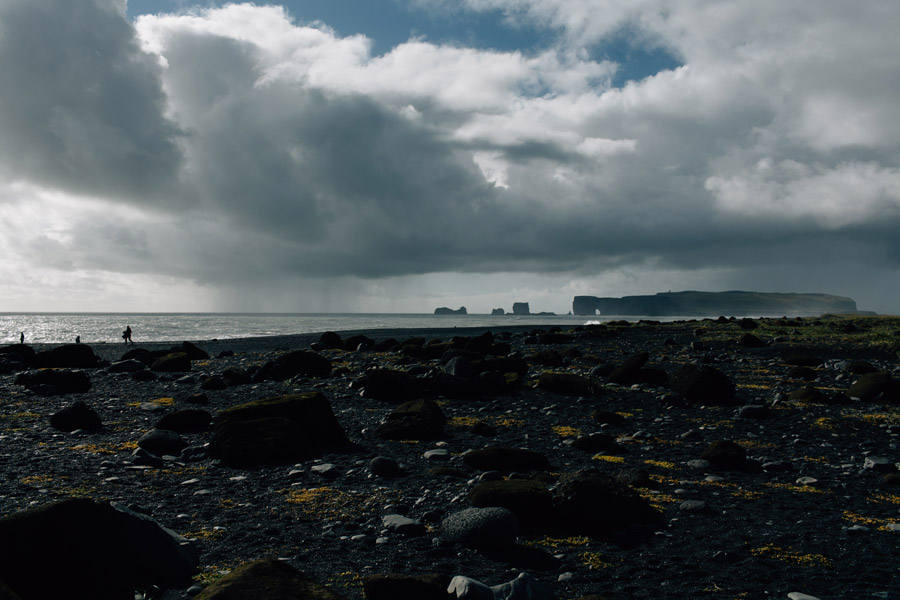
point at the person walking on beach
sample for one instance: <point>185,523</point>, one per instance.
<point>22,337</point>
<point>126,335</point>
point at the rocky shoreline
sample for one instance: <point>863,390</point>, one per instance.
<point>702,459</point>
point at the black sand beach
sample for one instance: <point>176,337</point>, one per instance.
<point>702,459</point>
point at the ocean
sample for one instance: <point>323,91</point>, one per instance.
<point>92,328</point>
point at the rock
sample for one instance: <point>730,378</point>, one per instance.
<point>748,340</point>
<point>481,527</point>
<point>267,579</point>
<point>879,464</point>
<point>530,501</point>
<point>605,417</point>
<point>384,466</point>
<point>597,442</point>
<point>77,415</point>
<point>189,420</point>
<point>443,310</point>
<point>871,385</point>
<point>69,356</point>
<point>233,376</point>
<point>394,586</point>
<point>437,454</point>
<point>628,373</point>
<point>414,420</point>
<point>458,366</point>
<point>499,458</point>
<point>747,324</point>
<point>213,383</point>
<point>331,341</point>
<point>591,503</point>
<point>523,587</point>
<point>547,358</point>
<point>729,456</point>
<point>50,382</point>
<point>126,366</point>
<point>292,364</point>
<point>800,596</point>
<point>704,385</point>
<point>801,359</point>
<point>403,525</point>
<point>161,442</point>
<point>805,373</point>
<point>174,362</point>
<point>692,506</point>
<point>93,550</point>
<point>755,411</point>
<point>388,384</point>
<point>326,470</point>
<point>274,430</point>
<point>143,375</point>
<point>569,384</point>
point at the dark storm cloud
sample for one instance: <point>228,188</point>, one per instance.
<point>82,106</point>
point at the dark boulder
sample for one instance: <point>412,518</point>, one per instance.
<point>300,362</point>
<point>872,385</point>
<point>529,500</point>
<point>597,442</point>
<point>358,342</point>
<point>547,358</point>
<point>414,420</point>
<point>276,430</point>
<point>162,442</point>
<point>68,356</point>
<point>389,385</point>
<point>748,340</point>
<point>591,503</point>
<point>499,458</point>
<point>233,376</point>
<point>189,420</point>
<point>127,366</point>
<point>629,372</point>
<point>331,341</point>
<point>87,549</point>
<point>569,384</point>
<point>729,456</point>
<point>174,362</point>
<point>267,579</point>
<point>23,351</point>
<point>704,385</point>
<point>482,527</point>
<point>49,382</point>
<point>805,373</point>
<point>77,415</point>
<point>213,383</point>
<point>394,586</point>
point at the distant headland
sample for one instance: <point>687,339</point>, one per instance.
<point>734,303</point>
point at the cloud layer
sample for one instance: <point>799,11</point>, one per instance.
<point>239,149</point>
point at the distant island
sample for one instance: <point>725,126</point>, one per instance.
<point>443,310</point>
<point>705,304</point>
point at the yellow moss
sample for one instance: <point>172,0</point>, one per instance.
<point>805,489</point>
<point>824,423</point>
<point>204,534</point>
<point>755,444</point>
<point>93,448</point>
<point>889,498</point>
<point>566,431</point>
<point>462,421</point>
<point>664,464</point>
<point>818,459</point>
<point>594,560</point>
<point>164,401</point>
<point>747,495</point>
<point>21,415</point>
<point>607,458</point>
<point>507,421</point>
<point>36,479</point>
<point>789,555</point>
<point>569,542</point>
<point>754,386</point>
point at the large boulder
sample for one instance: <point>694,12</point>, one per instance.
<point>276,430</point>
<point>569,384</point>
<point>388,385</point>
<point>529,500</point>
<point>68,356</point>
<point>874,385</point>
<point>300,362</point>
<point>188,420</point>
<point>50,382</point>
<point>730,456</point>
<point>267,579</point>
<point>591,503</point>
<point>481,527</point>
<point>395,586</point>
<point>702,384</point>
<point>77,415</point>
<point>499,458</point>
<point>414,420</point>
<point>174,362</point>
<point>629,372</point>
<point>86,549</point>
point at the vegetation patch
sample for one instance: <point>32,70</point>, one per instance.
<point>791,556</point>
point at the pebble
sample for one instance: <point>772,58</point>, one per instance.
<point>692,506</point>
<point>403,525</point>
<point>437,454</point>
<point>879,464</point>
<point>801,596</point>
<point>327,470</point>
<point>806,481</point>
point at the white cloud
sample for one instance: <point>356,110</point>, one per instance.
<point>233,148</point>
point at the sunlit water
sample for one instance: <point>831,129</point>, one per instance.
<point>154,327</point>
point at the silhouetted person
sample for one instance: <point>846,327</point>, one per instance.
<point>22,338</point>
<point>77,339</point>
<point>126,335</point>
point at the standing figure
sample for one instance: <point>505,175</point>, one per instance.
<point>126,335</point>
<point>22,337</point>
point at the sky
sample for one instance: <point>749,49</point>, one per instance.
<point>400,155</point>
